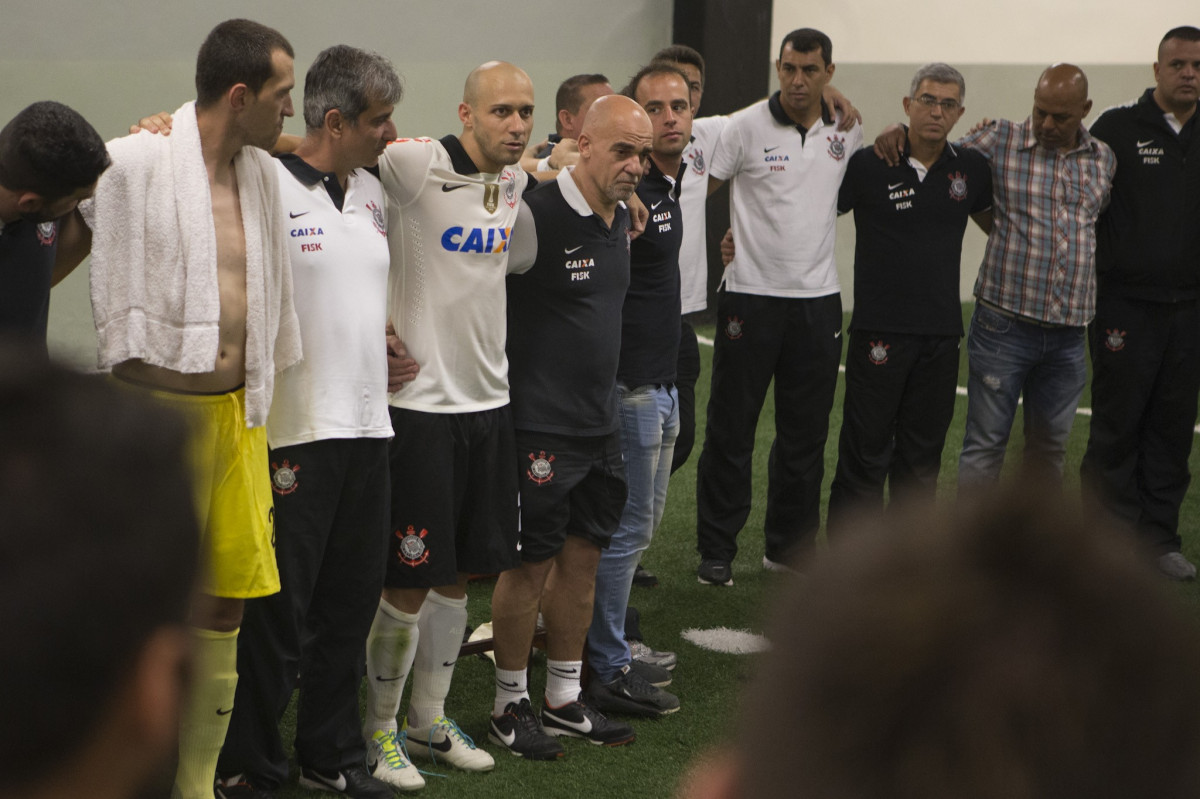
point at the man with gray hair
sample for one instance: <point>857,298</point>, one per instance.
<point>902,360</point>
<point>1036,285</point>
<point>328,434</point>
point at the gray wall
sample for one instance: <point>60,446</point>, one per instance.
<point>116,62</point>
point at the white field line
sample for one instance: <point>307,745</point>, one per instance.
<point>959,390</point>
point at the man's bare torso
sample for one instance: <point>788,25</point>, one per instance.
<point>229,369</point>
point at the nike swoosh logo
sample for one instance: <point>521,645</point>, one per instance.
<point>448,187</point>
<point>507,737</point>
<point>224,712</point>
<point>507,684</point>
<point>566,671</point>
<point>894,186</point>
<point>295,215</point>
<point>837,334</point>
<point>1145,143</point>
<point>338,785</point>
<point>449,663</point>
<point>660,202</point>
<point>444,746</point>
<point>573,249</point>
<point>769,149</point>
<point>584,726</point>
<point>381,678</point>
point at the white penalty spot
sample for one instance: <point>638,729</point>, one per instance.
<point>730,642</point>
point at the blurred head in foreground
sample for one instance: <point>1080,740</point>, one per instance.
<point>1004,649</point>
<point>98,550</point>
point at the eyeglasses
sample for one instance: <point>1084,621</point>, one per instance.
<point>929,101</point>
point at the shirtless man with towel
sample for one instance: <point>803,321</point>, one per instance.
<point>196,308</point>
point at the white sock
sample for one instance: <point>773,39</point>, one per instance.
<point>562,681</point>
<point>511,687</point>
<point>391,645</point>
<point>443,621</point>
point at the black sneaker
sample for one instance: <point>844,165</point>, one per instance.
<point>519,731</point>
<point>580,721</point>
<point>353,781</point>
<point>238,787</point>
<point>644,578</point>
<point>655,675</point>
<point>630,694</point>
<point>715,572</point>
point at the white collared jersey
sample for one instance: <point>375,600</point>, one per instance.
<point>693,197</point>
<point>339,274</point>
<point>783,204</point>
<point>449,226</point>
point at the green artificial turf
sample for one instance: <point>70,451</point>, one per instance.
<point>707,683</point>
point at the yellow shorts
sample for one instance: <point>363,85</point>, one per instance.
<point>233,494</point>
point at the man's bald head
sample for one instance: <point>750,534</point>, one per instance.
<point>1066,79</point>
<point>614,149</point>
<point>490,76</point>
<point>1060,102</point>
<point>611,111</point>
<point>497,115</point>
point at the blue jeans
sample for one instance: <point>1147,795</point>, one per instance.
<point>1009,357</point>
<point>649,426</point>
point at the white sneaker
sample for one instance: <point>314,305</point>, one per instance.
<point>640,650</point>
<point>388,762</point>
<point>444,742</point>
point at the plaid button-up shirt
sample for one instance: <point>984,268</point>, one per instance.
<point>1040,260</point>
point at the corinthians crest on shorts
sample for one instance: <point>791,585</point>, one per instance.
<point>878,352</point>
<point>958,186</point>
<point>540,471</point>
<point>1114,339</point>
<point>283,477</point>
<point>734,328</point>
<point>412,550</point>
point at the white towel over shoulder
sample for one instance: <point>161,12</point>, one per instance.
<point>154,261</point>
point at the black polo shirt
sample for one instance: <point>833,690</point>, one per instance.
<point>1148,240</point>
<point>27,252</point>
<point>908,238</point>
<point>650,316</point>
<point>564,316</point>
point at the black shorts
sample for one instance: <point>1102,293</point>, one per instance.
<point>570,485</point>
<point>454,497</point>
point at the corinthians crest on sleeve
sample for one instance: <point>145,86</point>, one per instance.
<point>283,477</point>
<point>47,232</point>
<point>413,551</point>
<point>540,471</point>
